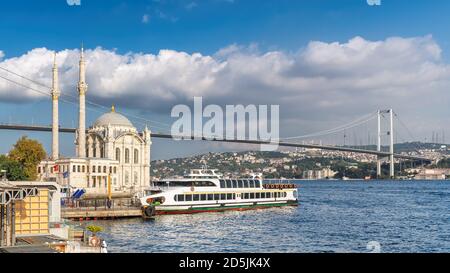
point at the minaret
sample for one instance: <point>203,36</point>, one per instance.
<point>55,117</point>
<point>82,89</point>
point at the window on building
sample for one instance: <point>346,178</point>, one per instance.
<point>118,154</point>
<point>93,169</point>
<point>74,169</point>
<point>39,169</point>
<point>99,169</point>
<point>104,169</point>
<point>127,155</point>
<point>93,182</point>
<point>95,152</point>
<point>127,178</point>
<point>136,156</point>
<point>115,169</point>
<point>102,152</point>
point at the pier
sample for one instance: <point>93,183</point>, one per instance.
<point>86,214</point>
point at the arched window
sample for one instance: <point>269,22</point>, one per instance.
<point>102,152</point>
<point>136,156</point>
<point>95,152</point>
<point>127,155</point>
<point>104,169</point>
<point>117,154</point>
<point>99,169</point>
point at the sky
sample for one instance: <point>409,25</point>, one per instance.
<point>325,62</point>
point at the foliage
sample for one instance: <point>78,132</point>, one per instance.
<point>14,171</point>
<point>28,153</point>
<point>94,229</point>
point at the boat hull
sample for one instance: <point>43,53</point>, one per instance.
<point>195,210</point>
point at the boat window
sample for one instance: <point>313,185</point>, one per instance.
<point>216,196</point>
<point>222,183</point>
<point>257,184</point>
<point>181,198</point>
<point>257,195</point>
<point>246,184</point>
<point>240,184</point>
<point>210,196</point>
<point>203,197</point>
<point>229,184</point>
<point>189,197</point>
<point>196,197</point>
<point>252,195</point>
<point>234,183</point>
<point>229,196</point>
<point>251,184</point>
<point>223,196</point>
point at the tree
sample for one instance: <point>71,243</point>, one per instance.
<point>28,153</point>
<point>14,172</point>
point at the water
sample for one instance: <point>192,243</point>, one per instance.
<point>405,216</point>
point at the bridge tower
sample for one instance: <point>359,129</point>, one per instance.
<point>55,113</point>
<point>391,142</point>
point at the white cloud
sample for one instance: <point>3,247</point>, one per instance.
<point>317,87</point>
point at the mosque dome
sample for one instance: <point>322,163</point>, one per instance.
<point>112,118</point>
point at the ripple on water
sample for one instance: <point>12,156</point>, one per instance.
<point>332,217</point>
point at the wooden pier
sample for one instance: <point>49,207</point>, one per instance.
<point>86,214</point>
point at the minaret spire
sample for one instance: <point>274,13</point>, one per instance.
<point>82,89</point>
<point>55,113</point>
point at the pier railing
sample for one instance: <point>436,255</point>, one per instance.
<point>68,204</point>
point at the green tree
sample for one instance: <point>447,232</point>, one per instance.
<point>14,172</point>
<point>28,153</point>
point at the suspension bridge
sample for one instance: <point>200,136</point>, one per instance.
<point>345,138</point>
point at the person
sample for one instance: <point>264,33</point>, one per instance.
<point>104,247</point>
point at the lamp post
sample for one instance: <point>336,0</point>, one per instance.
<point>3,172</point>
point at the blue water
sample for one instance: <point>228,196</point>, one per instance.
<point>332,217</point>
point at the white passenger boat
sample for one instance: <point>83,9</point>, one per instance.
<point>204,190</point>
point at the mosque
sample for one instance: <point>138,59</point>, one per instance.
<point>111,154</point>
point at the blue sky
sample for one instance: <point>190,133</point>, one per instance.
<point>206,27</point>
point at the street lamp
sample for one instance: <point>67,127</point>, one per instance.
<point>3,172</point>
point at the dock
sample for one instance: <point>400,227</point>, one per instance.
<point>86,214</point>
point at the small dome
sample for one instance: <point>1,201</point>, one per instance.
<point>112,118</point>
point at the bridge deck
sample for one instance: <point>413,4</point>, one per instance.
<point>254,142</point>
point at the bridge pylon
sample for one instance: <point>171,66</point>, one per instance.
<point>390,133</point>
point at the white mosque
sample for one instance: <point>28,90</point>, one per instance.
<point>110,154</point>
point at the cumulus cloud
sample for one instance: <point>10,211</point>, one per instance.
<point>316,87</point>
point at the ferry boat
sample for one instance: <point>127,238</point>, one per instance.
<point>205,190</point>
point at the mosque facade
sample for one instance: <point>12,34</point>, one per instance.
<point>111,155</point>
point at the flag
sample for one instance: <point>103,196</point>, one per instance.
<point>55,168</point>
<point>66,174</point>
